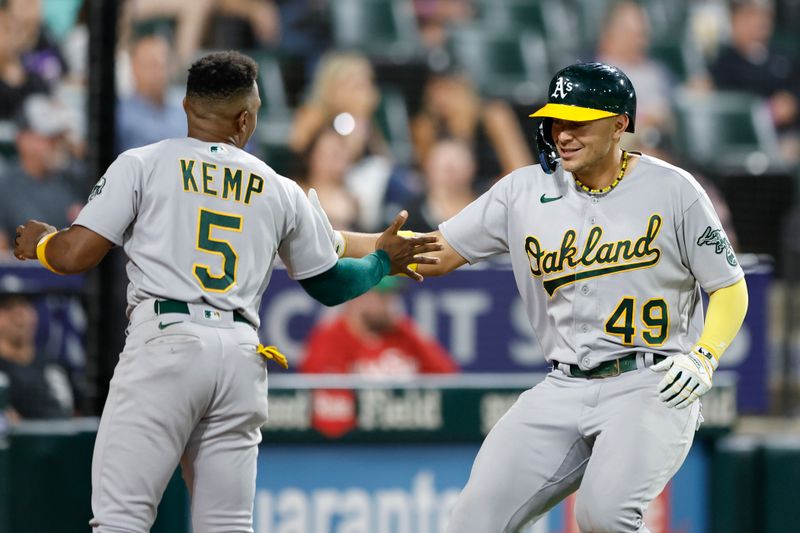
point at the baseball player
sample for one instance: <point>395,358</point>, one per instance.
<point>201,222</point>
<point>609,251</point>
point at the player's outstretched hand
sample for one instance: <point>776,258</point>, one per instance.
<point>688,376</point>
<point>405,251</point>
<point>28,236</point>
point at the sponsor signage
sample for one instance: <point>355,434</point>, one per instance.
<point>456,408</point>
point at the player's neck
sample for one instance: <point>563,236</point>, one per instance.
<point>211,135</point>
<point>602,173</point>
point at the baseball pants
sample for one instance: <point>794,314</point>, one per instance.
<point>610,439</point>
<point>188,390</point>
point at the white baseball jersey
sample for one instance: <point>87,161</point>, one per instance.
<point>202,222</point>
<point>604,275</point>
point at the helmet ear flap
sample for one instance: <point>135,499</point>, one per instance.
<point>546,148</point>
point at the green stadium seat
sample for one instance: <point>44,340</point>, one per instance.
<point>507,65</point>
<point>8,139</point>
<point>271,85</point>
<point>276,116</point>
<point>727,133</point>
<point>392,117</point>
<point>668,18</point>
<point>567,36</point>
<point>682,57</point>
<point>377,28</point>
<point>511,15</point>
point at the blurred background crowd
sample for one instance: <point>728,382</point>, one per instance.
<point>383,104</point>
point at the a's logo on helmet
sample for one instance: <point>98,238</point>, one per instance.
<point>562,88</point>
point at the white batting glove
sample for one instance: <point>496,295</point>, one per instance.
<point>336,237</point>
<point>688,376</point>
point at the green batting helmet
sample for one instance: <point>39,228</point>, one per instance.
<point>580,93</point>
<point>590,91</point>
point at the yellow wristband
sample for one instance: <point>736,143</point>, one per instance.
<point>40,252</point>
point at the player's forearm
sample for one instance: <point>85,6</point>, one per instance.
<point>348,278</point>
<point>449,259</point>
<point>359,244</point>
<point>726,311</point>
<point>75,250</point>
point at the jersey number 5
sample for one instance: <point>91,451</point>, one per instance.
<point>206,222</point>
<point>655,317</point>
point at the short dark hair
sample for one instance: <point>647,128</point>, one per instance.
<point>221,75</point>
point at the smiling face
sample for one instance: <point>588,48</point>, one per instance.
<point>588,147</point>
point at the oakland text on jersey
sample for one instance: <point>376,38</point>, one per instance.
<point>228,188</point>
<point>618,256</point>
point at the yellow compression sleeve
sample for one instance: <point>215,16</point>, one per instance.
<point>726,310</point>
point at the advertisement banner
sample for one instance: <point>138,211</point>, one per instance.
<point>412,489</point>
<point>308,409</point>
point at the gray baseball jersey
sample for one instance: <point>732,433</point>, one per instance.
<point>202,222</point>
<point>603,275</point>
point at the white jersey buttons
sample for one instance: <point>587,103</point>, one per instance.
<point>585,328</point>
<point>585,289</point>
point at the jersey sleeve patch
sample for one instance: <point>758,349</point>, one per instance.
<point>97,189</point>
<point>716,238</point>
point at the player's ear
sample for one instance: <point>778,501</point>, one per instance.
<point>620,125</point>
<point>243,120</point>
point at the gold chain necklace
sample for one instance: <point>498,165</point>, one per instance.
<point>623,166</point>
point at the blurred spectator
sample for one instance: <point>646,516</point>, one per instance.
<point>245,24</point>
<point>750,64</point>
<point>37,389</point>
<point>452,108</point>
<point>42,185</point>
<point>40,52</point>
<point>624,42</point>
<point>374,337</point>
<point>343,95</point>
<point>147,116</point>
<point>197,23</point>
<point>75,47</point>
<point>434,16</point>
<point>306,31</point>
<point>189,19</point>
<point>16,82</point>
<point>326,165</point>
<point>449,172</point>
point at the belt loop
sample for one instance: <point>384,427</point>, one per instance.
<point>648,359</point>
<point>640,360</point>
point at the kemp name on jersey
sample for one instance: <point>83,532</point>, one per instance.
<point>229,187</point>
<point>614,256</point>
